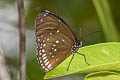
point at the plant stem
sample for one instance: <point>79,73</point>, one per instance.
<point>4,75</point>
<point>106,19</point>
<point>22,62</point>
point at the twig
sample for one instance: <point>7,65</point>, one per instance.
<point>4,75</point>
<point>22,62</point>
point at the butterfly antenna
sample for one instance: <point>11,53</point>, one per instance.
<point>70,62</point>
<point>84,57</point>
<point>91,34</point>
<point>80,33</point>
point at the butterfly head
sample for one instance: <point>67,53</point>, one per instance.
<point>79,44</point>
<point>76,46</point>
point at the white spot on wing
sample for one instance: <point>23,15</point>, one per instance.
<point>54,45</point>
<point>50,33</point>
<point>43,50</point>
<point>41,20</point>
<point>41,64</point>
<point>49,66</point>
<point>38,44</point>
<point>44,55</point>
<point>44,58</point>
<point>58,31</point>
<point>44,45</point>
<point>59,21</point>
<point>57,41</point>
<point>40,61</point>
<point>43,67</point>
<point>47,63</point>
<point>52,48</point>
<point>46,69</point>
<point>41,47</point>
<point>51,28</point>
<point>47,11</point>
<point>39,58</point>
<point>44,15</point>
<point>40,53</point>
<point>52,56</point>
<point>47,39</point>
<point>55,49</point>
<point>50,53</point>
<point>43,40</point>
<point>38,40</point>
<point>63,40</point>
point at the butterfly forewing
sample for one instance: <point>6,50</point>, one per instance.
<point>54,40</point>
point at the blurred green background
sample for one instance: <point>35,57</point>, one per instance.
<point>78,14</point>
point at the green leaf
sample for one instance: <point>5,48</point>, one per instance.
<point>106,19</point>
<point>104,75</point>
<point>103,56</point>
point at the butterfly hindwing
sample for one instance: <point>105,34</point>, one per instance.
<point>54,40</point>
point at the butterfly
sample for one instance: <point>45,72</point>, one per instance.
<point>55,41</point>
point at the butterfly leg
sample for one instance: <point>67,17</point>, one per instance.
<point>70,62</point>
<point>84,57</point>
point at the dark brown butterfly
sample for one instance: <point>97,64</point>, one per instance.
<point>55,40</point>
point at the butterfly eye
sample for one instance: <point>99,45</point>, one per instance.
<point>55,40</point>
<point>79,43</point>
